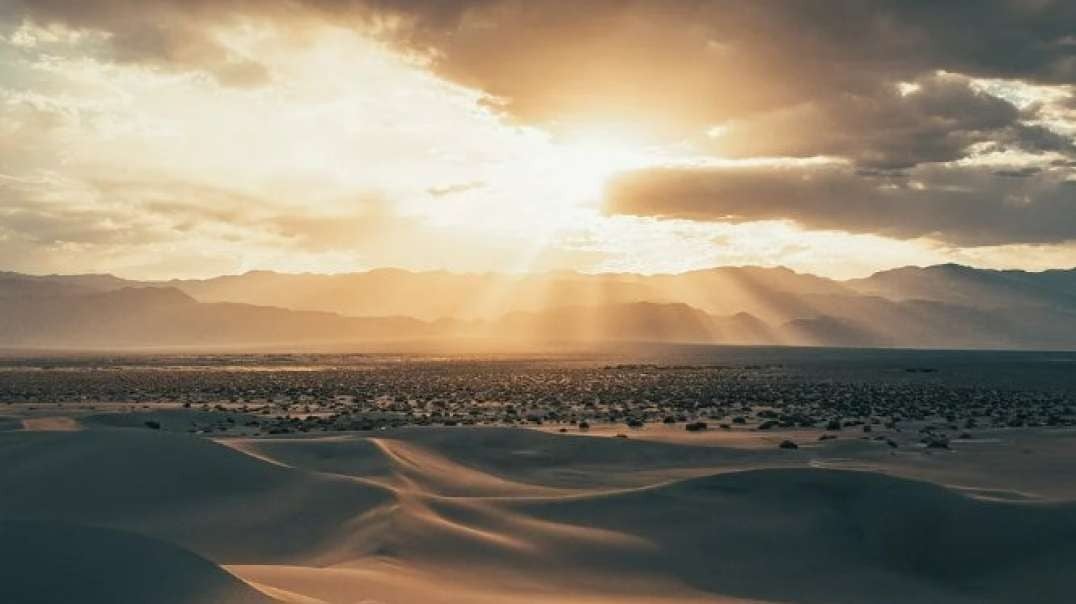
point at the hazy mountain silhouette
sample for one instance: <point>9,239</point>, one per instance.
<point>958,284</point>
<point>423,295</point>
<point>831,331</point>
<point>148,316</point>
<point>940,306</point>
<point>11,281</point>
<point>745,328</point>
<point>637,321</point>
<point>765,292</point>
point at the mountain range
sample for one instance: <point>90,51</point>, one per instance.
<point>947,306</point>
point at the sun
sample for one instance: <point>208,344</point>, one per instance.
<point>586,160</point>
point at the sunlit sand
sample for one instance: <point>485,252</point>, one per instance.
<point>547,514</point>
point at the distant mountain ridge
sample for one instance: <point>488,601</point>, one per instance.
<point>948,306</point>
<point>166,316</point>
<point>981,288</point>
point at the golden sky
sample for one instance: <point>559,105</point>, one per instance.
<point>165,139</point>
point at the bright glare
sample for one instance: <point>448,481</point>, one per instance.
<point>587,163</point>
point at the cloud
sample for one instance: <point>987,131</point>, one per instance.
<point>369,229</point>
<point>1019,172</point>
<point>51,210</point>
<point>936,119</point>
<point>821,77</point>
<point>892,88</point>
<point>175,35</point>
<point>683,67</point>
<point>54,211</point>
<point>171,227</point>
<point>962,206</point>
<point>455,188</point>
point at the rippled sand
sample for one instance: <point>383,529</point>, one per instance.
<point>519,515</point>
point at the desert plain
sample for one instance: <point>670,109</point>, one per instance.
<point>756,476</point>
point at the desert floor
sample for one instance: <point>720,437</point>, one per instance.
<point>99,508</point>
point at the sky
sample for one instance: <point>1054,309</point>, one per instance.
<point>189,138</point>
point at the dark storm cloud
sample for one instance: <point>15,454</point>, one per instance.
<point>963,206</point>
<point>889,129</point>
<point>817,44</point>
<point>672,68</point>
<point>1019,172</point>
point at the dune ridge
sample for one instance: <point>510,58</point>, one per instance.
<point>512,515</point>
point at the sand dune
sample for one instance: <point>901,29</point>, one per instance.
<point>165,486</point>
<point>773,534</point>
<point>51,562</point>
<point>51,424</point>
<point>398,464</point>
<point>385,583</point>
<point>512,515</point>
<point>491,462</point>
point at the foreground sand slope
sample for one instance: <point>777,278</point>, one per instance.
<point>56,562</point>
<point>512,516</point>
<point>183,489</point>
